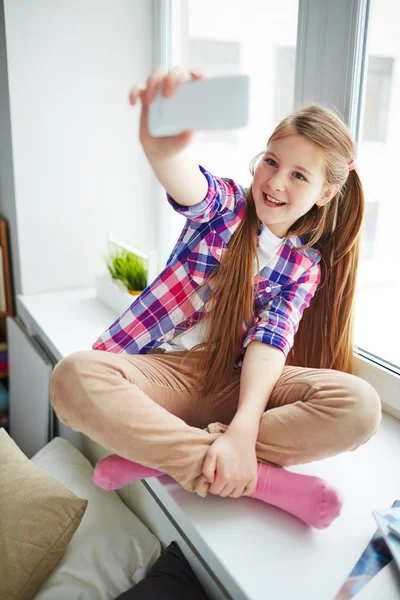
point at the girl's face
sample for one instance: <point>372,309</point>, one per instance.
<point>288,181</point>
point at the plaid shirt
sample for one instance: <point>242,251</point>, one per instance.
<point>175,300</point>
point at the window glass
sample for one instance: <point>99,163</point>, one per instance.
<point>377,324</point>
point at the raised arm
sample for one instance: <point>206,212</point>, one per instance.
<point>172,163</point>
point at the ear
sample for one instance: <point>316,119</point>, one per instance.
<point>327,196</point>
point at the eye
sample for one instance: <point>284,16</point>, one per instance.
<point>271,162</point>
<point>302,178</point>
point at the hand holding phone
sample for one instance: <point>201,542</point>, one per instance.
<point>176,170</point>
<point>165,84</point>
<point>173,107</point>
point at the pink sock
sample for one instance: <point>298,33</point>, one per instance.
<point>309,498</point>
<point>113,472</point>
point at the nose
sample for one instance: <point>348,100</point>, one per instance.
<point>277,181</point>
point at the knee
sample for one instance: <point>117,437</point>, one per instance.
<point>69,370</point>
<point>366,413</point>
<point>65,382</point>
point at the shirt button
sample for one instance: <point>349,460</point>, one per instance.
<point>268,289</point>
<point>218,251</point>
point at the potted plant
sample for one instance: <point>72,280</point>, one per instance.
<point>126,267</point>
<point>128,272</point>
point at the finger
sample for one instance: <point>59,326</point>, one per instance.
<point>237,492</point>
<point>144,115</point>
<point>250,488</point>
<point>216,487</point>
<point>197,73</point>
<point>172,81</point>
<point>135,93</point>
<point>143,96</point>
<point>227,490</point>
<point>219,484</point>
<point>209,466</point>
<point>153,82</point>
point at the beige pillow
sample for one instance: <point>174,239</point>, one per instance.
<point>38,517</point>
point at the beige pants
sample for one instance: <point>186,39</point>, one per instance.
<point>146,408</point>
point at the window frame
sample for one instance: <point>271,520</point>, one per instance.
<point>169,19</point>
<point>328,70</point>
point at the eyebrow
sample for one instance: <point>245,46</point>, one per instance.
<point>294,167</point>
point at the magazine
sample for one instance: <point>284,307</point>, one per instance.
<point>388,520</point>
<point>374,558</point>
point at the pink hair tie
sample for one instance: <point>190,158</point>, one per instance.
<point>352,165</point>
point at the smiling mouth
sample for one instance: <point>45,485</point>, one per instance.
<point>269,201</point>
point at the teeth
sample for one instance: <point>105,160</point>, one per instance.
<point>272,200</point>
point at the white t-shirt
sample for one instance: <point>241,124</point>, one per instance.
<point>267,248</point>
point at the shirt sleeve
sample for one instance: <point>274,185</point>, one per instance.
<point>222,195</point>
<point>277,323</point>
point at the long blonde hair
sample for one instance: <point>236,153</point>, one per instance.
<point>325,335</point>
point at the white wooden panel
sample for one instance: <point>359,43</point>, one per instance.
<point>29,378</point>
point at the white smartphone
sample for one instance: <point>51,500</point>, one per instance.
<point>210,103</point>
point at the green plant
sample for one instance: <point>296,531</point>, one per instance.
<point>128,268</point>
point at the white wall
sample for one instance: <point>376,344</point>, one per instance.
<point>7,205</point>
<point>79,170</point>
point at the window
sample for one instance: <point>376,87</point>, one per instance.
<point>284,82</point>
<point>368,237</point>
<point>377,325</point>
<point>331,64</point>
<point>222,40</point>
<point>377,98</point>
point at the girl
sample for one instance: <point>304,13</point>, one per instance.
<point>199,378</point>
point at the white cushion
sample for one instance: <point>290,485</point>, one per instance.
<point>111,549</point>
